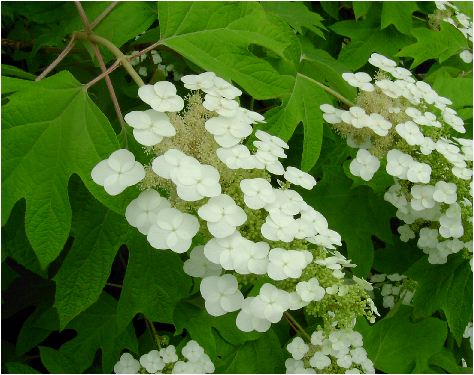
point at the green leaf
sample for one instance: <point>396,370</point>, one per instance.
<point>13,71</point>
<point>431,44</point>
<point>361,8</point>
<point>396,258</point>
<point>297,15</point>
<point>445,359</point>
<point>399,15</point>
<point>50,132</point>
<point>322,67</point>
<point>366,40</point>
<point>154,283</point>
<point>56,362</point>
<point>446,287</point>
<point>458,89</point>
<point>20,368</point>
<point>97,329</point>
<point>216,36</point>
<point>302,105</point>
<point>138,14</point>
<point>398,345</point>
<point>10,84</point>
<point>197,321</point>
<point>334,198</point>
<point>36,328</point>
<point>331,8</point>
<point>98,234</point>
<point>262,356</point>
<point>15,244</point>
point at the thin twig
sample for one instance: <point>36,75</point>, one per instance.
<point>117,63</point>
<point>83,15</point>
<point>104,14</point>
<point>155,335</point>
<point>114,285</point>
<point>329,90</point>
<point>58,59</point>
<point>294,323</point>
<point>100,59</point>
<point>109,70</point>
<point>110,86</point>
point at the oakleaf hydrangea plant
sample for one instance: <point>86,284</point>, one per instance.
<point>265,187</point>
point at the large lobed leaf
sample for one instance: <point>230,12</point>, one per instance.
<point>396,344</point>
<point>431,44</point>
<point>446,287</point>
<point>49,132</point>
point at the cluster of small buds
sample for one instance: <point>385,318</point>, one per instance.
<point>337,352</point>
<point>166,361</point>
<point>215,185</point>
<point>394,287</point>
<point>143,70</point>
<point>450,13</point>
<point>405,122</point>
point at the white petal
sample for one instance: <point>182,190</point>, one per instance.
<point>121,160</point>
<point>147,94</point>
<point>220,229</point>
<point>214,308</point>
<point>138,119</point>
<point>113,186</point>
<point>157,237</point>
<point>226,140</point>
<point>161,167</point>
<point>146,137</point>
<point>173,104</point>
<point>101,171</point>
<point>233,302</point>
<point>188,193</point>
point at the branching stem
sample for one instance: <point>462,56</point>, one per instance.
<point>121,58</point>
<point>100,59</point>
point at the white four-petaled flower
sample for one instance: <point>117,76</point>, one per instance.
<point>161,97</point>
<point>222,215</point>
<point>118,172</point>
<point>150,127</point>
<point>143,211</point>
<point>173,230</point>
<point>364,165</point>
<point>221,294</point>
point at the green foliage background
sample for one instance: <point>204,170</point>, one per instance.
<point>78,282</point>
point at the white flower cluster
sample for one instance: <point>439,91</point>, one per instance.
<point>407,122</point>
<point>248,227</point>
<point>340,348</point>
<point>157,60</point>
<point>166,361</point>
<point>392,288</point>
<point>461,22</point>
